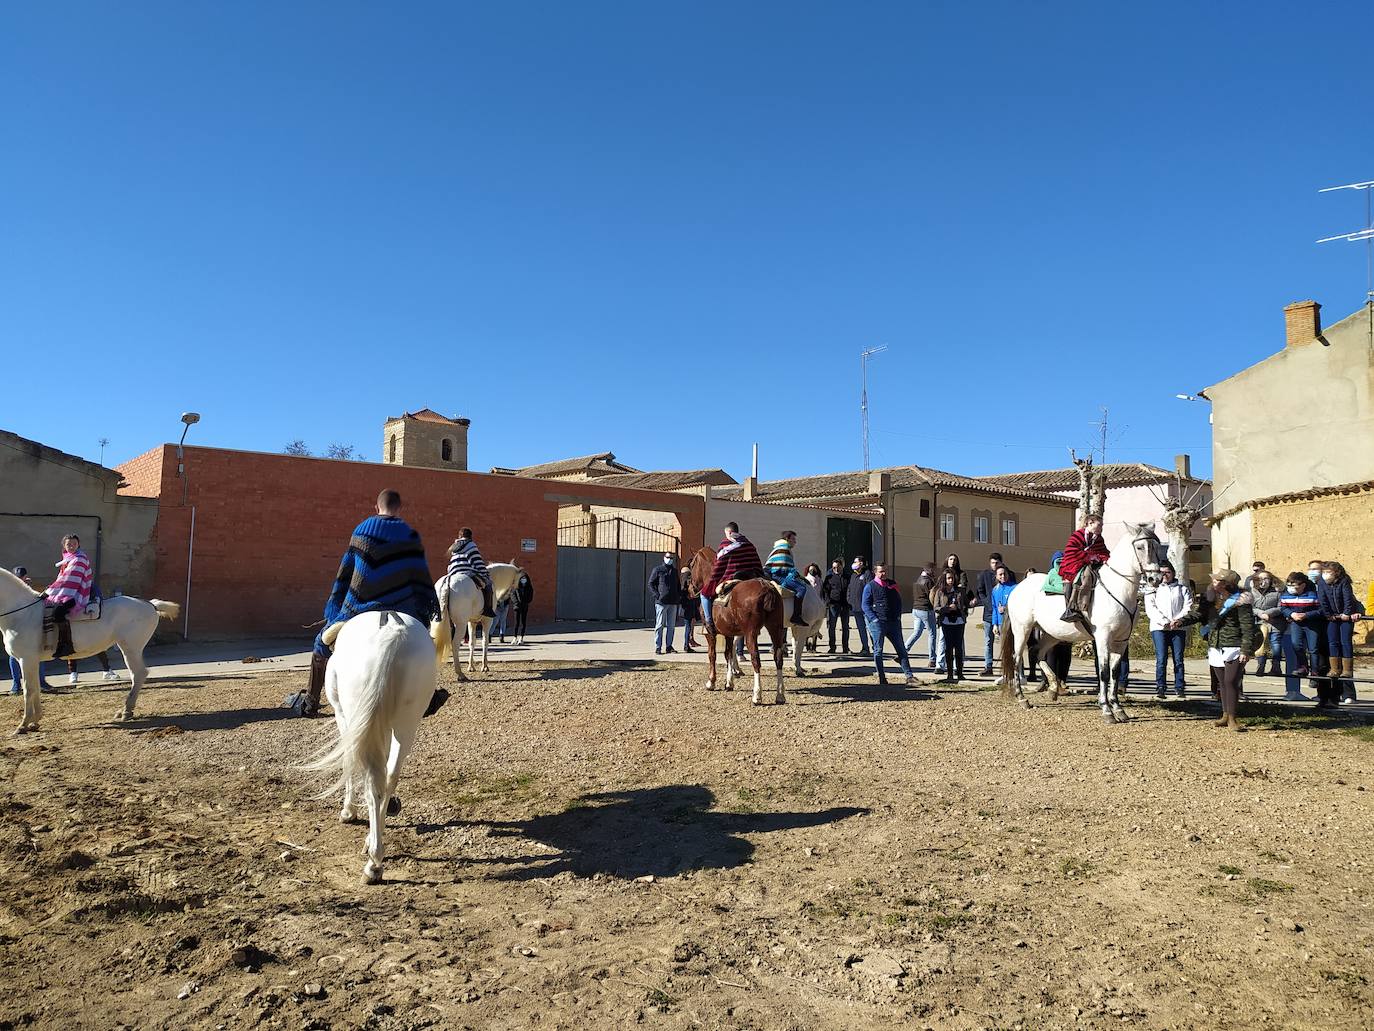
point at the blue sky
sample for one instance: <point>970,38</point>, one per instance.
<point>668,230</point>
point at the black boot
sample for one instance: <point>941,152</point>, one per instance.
<point>436,701</point>
<point>796,612</point>
<point>488,609</point>
<point>64,639</point>
<point>310,699</point>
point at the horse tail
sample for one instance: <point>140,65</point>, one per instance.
<point>771,601</point>
<point>365,736</point>
<point>438,630</point>
<point>166,609</point>
<point>1008,655</point>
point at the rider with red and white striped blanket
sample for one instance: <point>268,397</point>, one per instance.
<point>70,591</point>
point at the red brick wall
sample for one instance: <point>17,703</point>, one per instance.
<point>269,529</point>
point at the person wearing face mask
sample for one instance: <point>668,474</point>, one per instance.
<point>1232,637</point>
<point>835,590</point>
<point>666,587</point>
<point>859,578</point>
<point>1336,596</point>
<point>691,612</point>
<point>1304,645</point>
<point>1266,595</point>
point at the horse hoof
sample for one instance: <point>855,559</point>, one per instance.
<point>1121,716</point>
<point>393,807</point>
<point>372,874</point>
<point>21,730</point>
<point>780,700</point>
<point>1025,704</point>
<point>1109,719</point>
<point>348,816</point>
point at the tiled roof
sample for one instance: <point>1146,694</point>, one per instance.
<point>853,486</point>
<point>1119,474</point>
<point>430,415</point>
<point>603,464</point>
<point>669,479</point>
<point>1359,487</point>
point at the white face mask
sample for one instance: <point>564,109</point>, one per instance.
<point>1294,589</point>
<point>1328,577</point>
<point>1314,575</point>
<point>668,559</point>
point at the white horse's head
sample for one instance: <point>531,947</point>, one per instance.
<point>1147,551</point>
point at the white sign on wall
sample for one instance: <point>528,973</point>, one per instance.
<point>527,543</point>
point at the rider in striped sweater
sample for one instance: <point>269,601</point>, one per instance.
<point>782,569</point>
<point>466,559</point>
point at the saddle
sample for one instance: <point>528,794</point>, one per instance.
<point>729,585</point>
<point>50,631</point>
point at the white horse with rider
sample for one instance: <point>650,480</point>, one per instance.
<point>1110,614</point>
<point>379,680</point>
<point>460,605</point>
<point>123,621</point>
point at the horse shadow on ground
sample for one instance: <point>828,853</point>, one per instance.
<point>592,672</point>
<point>845,693</point>
<point>194,722</point>
<point>662,831</point>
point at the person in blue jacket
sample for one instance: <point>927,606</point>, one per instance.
<point>1304,646</point>
<point>1336,598</point>
<point>881,603</point>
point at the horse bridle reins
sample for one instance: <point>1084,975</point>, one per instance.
<point>21,608</point>
<point>1132,611</point>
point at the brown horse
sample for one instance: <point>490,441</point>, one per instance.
<point>754,605</point>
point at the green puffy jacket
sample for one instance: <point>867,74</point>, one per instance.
<point>1234,628</point>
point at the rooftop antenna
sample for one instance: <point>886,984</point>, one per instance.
<point>863,398</point>
<point>1102,432</point>
<point>1367,236</point>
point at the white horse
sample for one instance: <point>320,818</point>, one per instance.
<point>813,611</point>
<point>1112,614</point>
<point>127,622</point>
<point>460,605</point>
<point>379,680</point>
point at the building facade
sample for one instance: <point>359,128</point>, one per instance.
<point>426,440</point>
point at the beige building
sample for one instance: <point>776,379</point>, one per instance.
<point>909,515</point>
<point>46,494</point>
<point>427,440</point>
<point>1293,450</point>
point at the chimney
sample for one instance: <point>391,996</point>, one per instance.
<point>1302,321</point>
<point>879,483</point>
<point>751,487</point>
<point>1183,466</point>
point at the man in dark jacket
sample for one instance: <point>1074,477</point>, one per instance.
<point>858,580</point>
<point>881,604</point>
<point>835,591</point>
<point>987,580</point>
<point>665,585</point>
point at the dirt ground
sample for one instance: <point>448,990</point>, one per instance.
<point>611,846</point>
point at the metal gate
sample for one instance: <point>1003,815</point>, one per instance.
<point>604,566</point>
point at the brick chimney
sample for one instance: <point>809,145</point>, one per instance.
<point>1183,466</point>
<point>1302,321</point>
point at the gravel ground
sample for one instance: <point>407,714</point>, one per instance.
<point>608,845</point>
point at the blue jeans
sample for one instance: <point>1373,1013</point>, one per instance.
<point>1169,642</point>
<point>988,631</point>
<point>14,675</point>
<point>665,623</point>
<point>889,630</point>
<point>922,621</point>
<point>861,624</point>
<point>792,581</point>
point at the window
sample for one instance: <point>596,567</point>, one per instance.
<point>1009,533</point>
<point>925,508</point>
<point>980,529</point>
<point>446,450</point>
<point>392,457</point>
<point>946,526</point>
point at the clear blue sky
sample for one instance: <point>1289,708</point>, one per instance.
<point>593,226</point>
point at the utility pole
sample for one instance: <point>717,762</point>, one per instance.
<point>1365,235</point>
<point>863,397</point>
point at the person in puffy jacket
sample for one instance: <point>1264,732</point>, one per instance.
<point>1168,608</point>
<point>1265,596</point>
<point>950,602</point>
<point>665,584</point>
<point>1232,637</point>
<point>1336,597</point>
<point>859,578</point>
<point>835,591</point>
<point>1304,644</point>
<point>881,604</point>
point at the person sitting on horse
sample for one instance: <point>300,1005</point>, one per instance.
<point>736,559</point>
<point>384,569</point>
<point>782,569</point>
<point>71,591</point>
<point>1084,553</point>
<point>466,559</point>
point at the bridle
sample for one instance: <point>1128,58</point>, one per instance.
<point>1149,570</point>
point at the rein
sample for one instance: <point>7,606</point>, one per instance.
<point>1131,612</point>
<point>21,608</point>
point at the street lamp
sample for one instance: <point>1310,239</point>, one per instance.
<point>188,419</point>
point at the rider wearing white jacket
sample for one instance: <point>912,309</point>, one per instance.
<point>1170,602</point>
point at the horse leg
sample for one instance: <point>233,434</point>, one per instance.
<point>401,743</point>
<point>1103,660</point>
<point>1118,710</point>
<point>376,781</point>
<point>1020,644</point>
<point>486,639</point>
<point>780,698</point>
<point>28,676</point>
<point>731,663</point>
<point>138,672</point>
<point>798,646</point>
<point>710,660</point>
<point>751,641</point>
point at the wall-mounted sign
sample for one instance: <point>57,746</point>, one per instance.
<point>527,543</point>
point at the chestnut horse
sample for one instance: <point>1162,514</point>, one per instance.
<point>754,605</point>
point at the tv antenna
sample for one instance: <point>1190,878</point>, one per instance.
<point>102,442</point>
<point>1365,235</point>
<point>863,397</point>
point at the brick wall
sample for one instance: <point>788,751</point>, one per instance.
<point>269,529</point>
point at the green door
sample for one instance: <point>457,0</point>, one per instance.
<point>845,538</point>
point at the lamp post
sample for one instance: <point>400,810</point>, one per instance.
<point>188,419</point>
